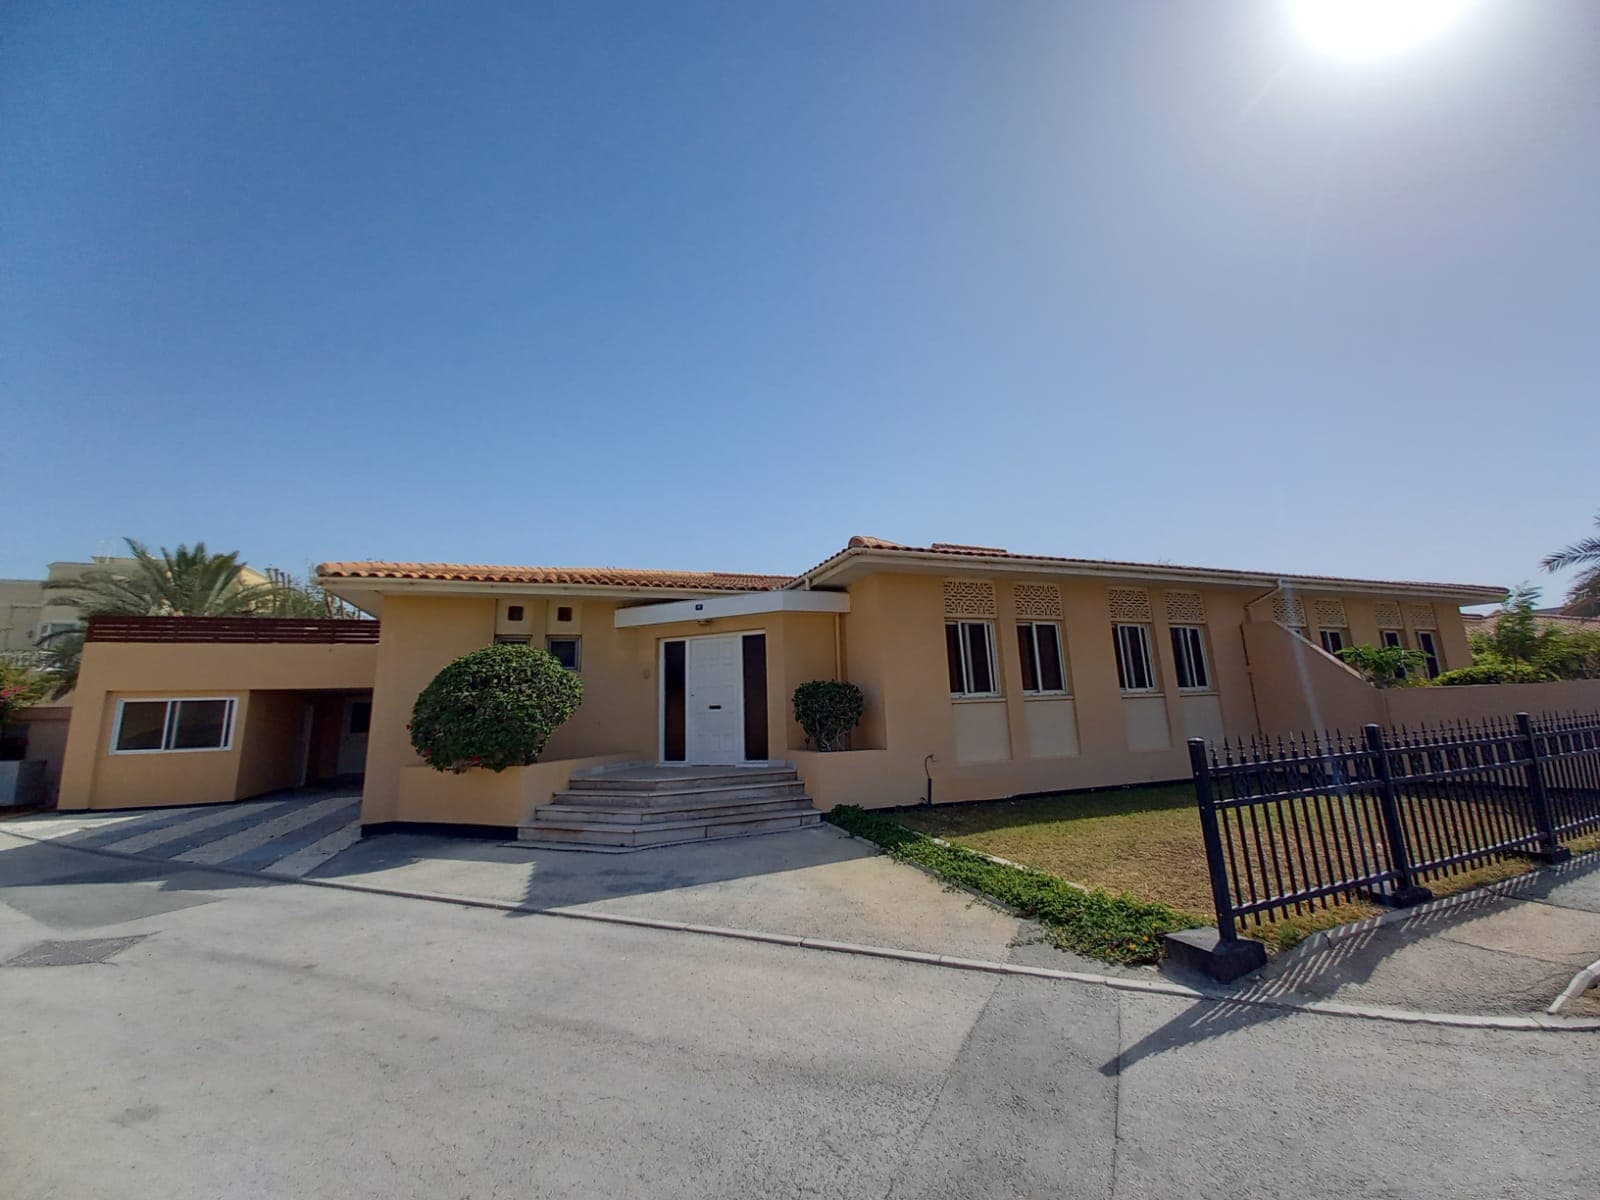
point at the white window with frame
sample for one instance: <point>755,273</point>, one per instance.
<point>1334,640</point>
<point>176,725</point>
<point>1044,671</point>
<point>568,651</point>
<point>1136,660</point>
<point>1428,643</point>
<point>969,647</point>
<point>1189,657</point>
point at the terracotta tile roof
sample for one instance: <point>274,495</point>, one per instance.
<point>861,542</point>
<point>615,577</point>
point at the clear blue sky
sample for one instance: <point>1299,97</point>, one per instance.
<point>717,286</point>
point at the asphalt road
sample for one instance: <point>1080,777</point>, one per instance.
<point>253,1040</point>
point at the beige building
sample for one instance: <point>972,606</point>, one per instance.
<point>986,674</point>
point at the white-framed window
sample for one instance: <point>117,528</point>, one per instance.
<point>169,726</point>
<point>1044,670</point>
<point>969,646</point>
<point>1428,643</point>
<point>567,650</point>
<point>1189,657</point>
<point>1334,640</point>
<point>1136,660</point>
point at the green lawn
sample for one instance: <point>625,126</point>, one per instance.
<point>1144,842</point>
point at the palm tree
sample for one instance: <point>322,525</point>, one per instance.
<point>186,582</point>
<point>1583,600</point>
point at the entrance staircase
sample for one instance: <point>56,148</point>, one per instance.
<point>630,808</point>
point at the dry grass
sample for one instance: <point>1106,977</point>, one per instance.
<point>1142,841</point>
<point>1146,842</point>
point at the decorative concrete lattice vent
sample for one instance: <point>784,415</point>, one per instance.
<point>1286,610</point>
<point>1330,614</point>
<point>1421,616</point>
<point>968,598</point>
<point>1129,604</point>
<point>1185,608</point>
<point>1388,614</point>
<point>1038,601</point>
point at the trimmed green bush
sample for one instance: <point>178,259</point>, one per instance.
<point>493,708</point>
<point>1495,672</point>
<point>828,710</point>
<point>1117,929</point>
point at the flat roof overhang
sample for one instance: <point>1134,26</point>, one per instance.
<point>740,604</point>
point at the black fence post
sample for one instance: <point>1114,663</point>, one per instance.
<point>1405,892</point>
<point>1222,953</point>
<point>1550,848</point>
<point>1221,897</point>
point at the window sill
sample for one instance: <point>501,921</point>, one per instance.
<point>1205,691</point>
<point>1150,695</point>
<point>174,750</point>
<point>993,698</point>
<point>1047,695</point>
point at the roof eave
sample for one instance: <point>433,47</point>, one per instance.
<point>851,564</point>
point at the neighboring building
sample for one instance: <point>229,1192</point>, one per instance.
<point>21,606</point>
<point>29,613</point>
<point>1485,622</point>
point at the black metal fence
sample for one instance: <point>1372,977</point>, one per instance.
<point>1300,823</point>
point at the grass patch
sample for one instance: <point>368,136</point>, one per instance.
<point>1146,843</point>
<point>1142,841</point>
<point>1114,928</point>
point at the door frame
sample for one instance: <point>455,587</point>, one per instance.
<point>661,696</point>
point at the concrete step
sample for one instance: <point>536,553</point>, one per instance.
<point>680,796</point>
<point>682,779</point>
<point>663,833</point>
<point>612,814</point>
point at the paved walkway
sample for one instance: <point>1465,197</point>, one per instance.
<point>290,836</point>
<point>1507,950</point>
<point>174,1031</point>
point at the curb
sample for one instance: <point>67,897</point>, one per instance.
<point>1542,1023</point>
<point>1581,983</point>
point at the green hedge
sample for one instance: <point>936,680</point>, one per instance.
<point>1118,929</point>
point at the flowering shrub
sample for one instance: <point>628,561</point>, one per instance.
<point>493,708</point>
<point>19,689</point>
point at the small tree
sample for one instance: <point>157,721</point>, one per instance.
<point>1386,666</point>
<point>493,708</point>
<point>828,710</point>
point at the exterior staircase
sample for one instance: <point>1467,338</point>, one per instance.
<point>630,808</point>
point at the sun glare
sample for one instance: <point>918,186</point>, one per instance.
<point>1370,28</point>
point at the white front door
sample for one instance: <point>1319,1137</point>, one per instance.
<point>714,724</point>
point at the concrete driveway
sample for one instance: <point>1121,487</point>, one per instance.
<point>174,1031</point>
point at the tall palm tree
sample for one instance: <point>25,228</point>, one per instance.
<point>1583,600</point>
<point>186,582</point>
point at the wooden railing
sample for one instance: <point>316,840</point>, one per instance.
<point>238,630</point>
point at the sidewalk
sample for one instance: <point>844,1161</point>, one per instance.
<point>1506,950</point>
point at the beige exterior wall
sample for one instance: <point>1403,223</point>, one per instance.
<point>618,719</point>
<point>1426,706</point>
<point>895,639</point>
<point>255,676</point>
<point>21,604</point>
